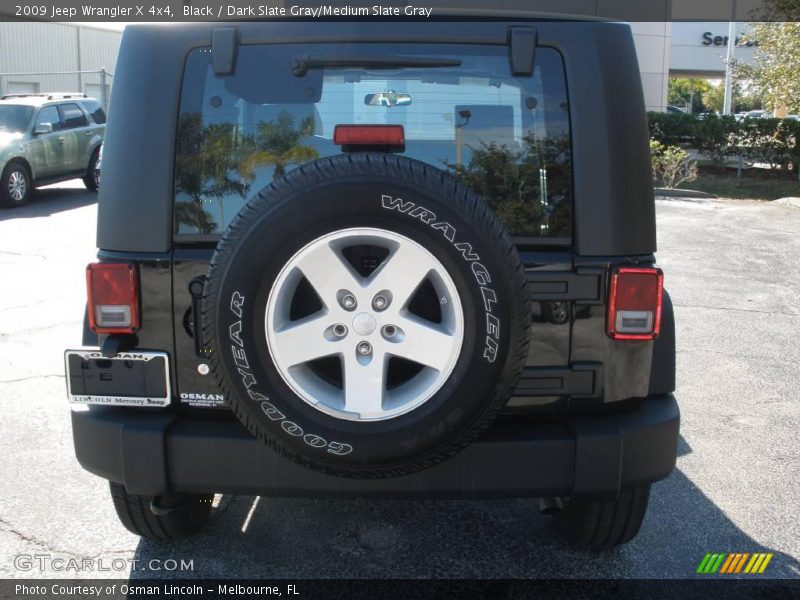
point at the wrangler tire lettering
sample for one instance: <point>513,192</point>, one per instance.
<point>479,271</point>
<point>269,409</point>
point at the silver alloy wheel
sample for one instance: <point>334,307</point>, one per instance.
<point>17,185</point>
<point>364,391</point>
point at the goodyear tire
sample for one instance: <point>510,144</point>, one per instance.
<point>368,315</point>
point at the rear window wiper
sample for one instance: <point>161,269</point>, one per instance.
<point>303,64</point>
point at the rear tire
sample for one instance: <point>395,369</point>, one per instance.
<point>603,524</point>
<point>90,180</point>
<point>183,515</point>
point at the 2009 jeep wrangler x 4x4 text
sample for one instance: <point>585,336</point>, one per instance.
<point>392,259</point>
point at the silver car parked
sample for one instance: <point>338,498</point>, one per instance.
<point>47,138</point>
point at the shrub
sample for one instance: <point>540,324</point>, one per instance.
<point>671,165</point>
<point>715,139</point>
<point>772,141</point>
<point>672,129</point>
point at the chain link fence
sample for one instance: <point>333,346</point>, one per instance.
<point>93,83</point>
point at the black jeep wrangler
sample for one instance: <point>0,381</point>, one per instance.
<point>388,259</point>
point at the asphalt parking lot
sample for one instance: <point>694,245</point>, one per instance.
<point>732,270</point>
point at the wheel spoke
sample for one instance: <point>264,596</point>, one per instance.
<point>303,341</point>
<point>364,323</point>
<point>17,185</point>
<point>402,272</point>
<point>423,342</point>
<point>327,272</point>
<point>364,384</point>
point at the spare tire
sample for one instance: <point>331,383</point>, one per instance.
<point>368,315</point>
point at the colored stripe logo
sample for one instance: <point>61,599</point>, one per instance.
<point>725,563</point>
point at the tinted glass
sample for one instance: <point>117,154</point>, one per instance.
<point>15,118</point>
<point>505,137</point>
<point>49,114</point>
<point>72,116</point>
<point>96,111</point>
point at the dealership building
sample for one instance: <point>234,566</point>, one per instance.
<point>692,49</point>
<point>46,57</point>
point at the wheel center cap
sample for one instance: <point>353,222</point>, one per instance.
<point>364,324</point>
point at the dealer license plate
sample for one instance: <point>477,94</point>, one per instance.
<point>137,378</point>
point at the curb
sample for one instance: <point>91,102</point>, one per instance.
<point>793,202</point>
<point>678,193</point>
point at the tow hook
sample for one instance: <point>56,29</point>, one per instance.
<point>114,343</point>
<point>164,506</point>
<point>549,506</point>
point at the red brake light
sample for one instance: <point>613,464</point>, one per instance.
<point>113,291</point>
<point>634,303</point>
<point>369,135</point>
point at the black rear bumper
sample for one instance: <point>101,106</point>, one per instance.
<point>155,453</point>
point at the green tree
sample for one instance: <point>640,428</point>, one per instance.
<point>775,72</point>
<point>683,91</point>
<point>277,143</point>
<point>511,183</point>
<point>214,161</point>
<point>777,10</point>
<point>203,165</point>
<point>714,98</point>
<point>745,99</point>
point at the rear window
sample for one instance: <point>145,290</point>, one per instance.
<point>72,116</point>
<point>96,111</point>
<point>505,137</point>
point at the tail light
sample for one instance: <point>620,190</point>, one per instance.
<point>113,290</point>
<point>634,303</point>
<point>369,135</point>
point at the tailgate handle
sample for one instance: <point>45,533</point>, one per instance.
<point>584,287</point>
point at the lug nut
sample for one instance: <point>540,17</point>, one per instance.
<point>389,331</point>
<point>339,330</point>
<point>364,348</point>
<point>349,301</point>
<point>379,302</point>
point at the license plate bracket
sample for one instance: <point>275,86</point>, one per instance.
<point>138,378</point>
